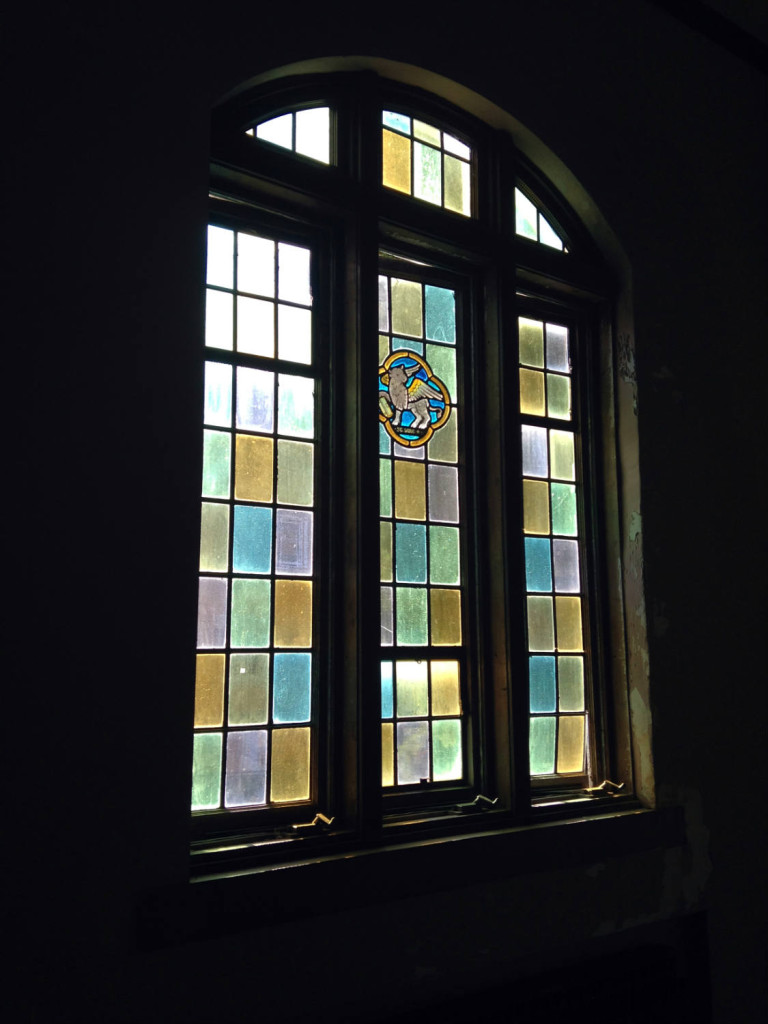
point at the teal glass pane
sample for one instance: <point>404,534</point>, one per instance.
<point>397,121</point>
<point>412,752</point>
<point>217,458</point>
<point>444,555</point>
<point>542,684</point>
<point>295,406</point>
<point>564,519</point>
<point>412,689</point>
<point>255,400</point>
<point>443,363</point>
<point>427,173</point>
<point>411,616</point>
<point>446,750</point>
<point>252,543</point>
<point>291,690</point>
<point>387,704</point>
<point>251,600</point>
<point>440,306</point>
<point>410,344</point>
<point>293,542</point>
<point>542,746</point>
<point>218,395</point>
<point>410,553</point>
<point>246,781</point>
<point>206,771</point>
<point>385,486</point>
<point>538,565</point>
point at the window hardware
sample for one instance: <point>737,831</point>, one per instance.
<point>480,803</point>
<point>319,823</point>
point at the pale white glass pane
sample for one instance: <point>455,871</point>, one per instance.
<point>220,251</point>
<point>383,304</point>
<point>557,348</point>
<point>278,130</point>
<point>387,629</point>
<point>534,451</point>
<point>295,406</point>
<point>313,133</point>
<point>255,326</point>
<point>255,399</point>
<point>548,235</point>
<point>218,395</point>
<point>218,319</point>
<point>212,612</point>
<point>293,543</point>
<point>293,274</point>
<point>255,265</point>
<point>443,494</point>
<point>525,216</point>
<point>452,145</point>
<point>294,334</point>
<point>566,558</point>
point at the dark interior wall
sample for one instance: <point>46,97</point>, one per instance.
<point>108,119</point>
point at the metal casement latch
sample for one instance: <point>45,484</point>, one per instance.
<point>606,788</point>
<point>320,823</point>
<point>480,803</point>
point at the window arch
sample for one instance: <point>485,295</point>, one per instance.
<point>404,613</point>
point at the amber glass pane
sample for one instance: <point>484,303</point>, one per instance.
<point>457,185</point>
<point>385,540</point>
<point>570,672</point>
<point>387,754</point>
<point>410,490</point>
<point>568,615</point>
<point>407,315</point>
<point>396,161</point>
<point>445,688</point>
<point>293,613</point>
<point>535,506</point>
<point>570,744</point>
<point>532,393</point>
<point>289,778</point>
<point>214,537</point>
<point>253,468</point>
<point>412,689</point>
<point>541,627</point>
<point>209,690</point>
<point>446,617</point>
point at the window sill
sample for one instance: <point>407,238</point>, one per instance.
<point>233,901</point>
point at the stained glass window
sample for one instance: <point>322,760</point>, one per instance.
<point>426,162</point>
<point>306,132</point>
<point>254,713</point>
<point>531,223</point>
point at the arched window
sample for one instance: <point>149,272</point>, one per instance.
<point>403,617</point>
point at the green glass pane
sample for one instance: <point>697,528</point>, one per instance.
<point>558,397</point>
<point>411,616</point>
<point>407,308</point>
<point>410,553</point>
<point>426,173</point>
<point>295,406</point>
<point>383,347</point>
<point>446,750</point>
<point>218,395</point>
<point>295,473</point>
<point>541,626</point>
<point>562,455</point>
<point>542,746</point>
<point>444,445</point>
<point>385,444</point>
<point>248,689</point>
<point>443,363</point>
<point>440,309</point>
<point>385,546</point>
<point>206,771</point>
<point>214,538</point>
<point>251,600</point>
<point>216,463</point>
<point>385,486</point>
<point>444,555</point>
<point>564,519</point>
<point>570,671</point>
<point>531,342</point>
<point>412,689</point>
<point>457,186</point>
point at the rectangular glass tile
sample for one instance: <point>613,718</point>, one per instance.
<point>212,612</point>
<point>219,319</point>
<point>570,744</point>
<point>562,455</point>
<point>531,342</point>
<point>535,461</point>
<point>535,506</point>
<point>246,780</point>
<point>255,400</point>
<point>289,777</point>
<point>457,185</point>
<point>385,486</point>
<point>444,555</point>
<point>293,613</point>
<point>445,615</point>
<point>387,694</point>
<point>387,754</point>
<point>292,688</point>
<point>453,145</point>
<point>412,752</point>
<point>255,265</point>
<point>541,626</point>
<point>206,771</point>
<point>216,463</point>
<point>525,216</point>
<point>426,132</point>
<point>313,133</point>
<point>252,539</point>
<point>209,690</point>
<point>568,616</point>
<point>542,746</point>
<point>412,689</point>
<point>558,396</point>
<point>293,283</point>
<point>221,249</point>
<point>443,363</point>
<point>295,473</point>
<point>397,121</point>
<point>566,558</point>
<point>444,446</point>
<point>214,537</point>
<point>383,303</point>
<point>543,689</point>
<point>446,698</point>
<point>440,310</point>
<point>538,565</point>
<point>251,600</point>
<point>407,315</point>
<point>218,395</point>
<point>557,349</point>
<point>443,494</point>
<point>253,467</point>
<point>446,750</point>
<point>412,616</point>
<point>410,553</point>
<point>410,491</point>
<point>248,689</point>
<point>255,326</point>
<point>295,405</point>
<point>564,520</point>
<point>293,542</point>
<point>427,173</point>
<point>396,161</point>
<point>387,624</point>
<point>570,672</point>
<point>294,334</point>
<point>532,401</point>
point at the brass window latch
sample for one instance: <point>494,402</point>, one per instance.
<point>480,803</point>
<point>320,823</point>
